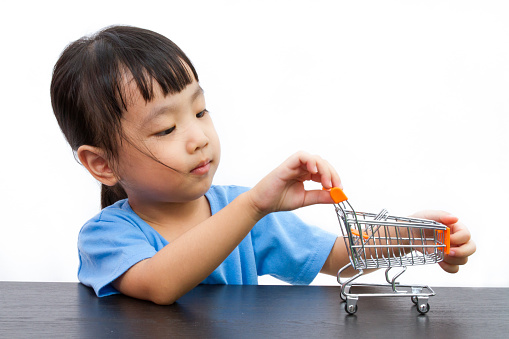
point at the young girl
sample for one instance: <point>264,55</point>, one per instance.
<point>129,102</point>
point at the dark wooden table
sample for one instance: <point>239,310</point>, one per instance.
<point>50,310</point>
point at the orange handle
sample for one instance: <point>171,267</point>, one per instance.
<point>337,195</point>
<point>446,238</point>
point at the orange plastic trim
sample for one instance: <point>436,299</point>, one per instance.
<point>355,232</point>
<point>337,195</point>
<point>446,238</point>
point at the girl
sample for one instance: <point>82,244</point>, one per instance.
<point>129,102</point>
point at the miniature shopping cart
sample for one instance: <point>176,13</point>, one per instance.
<point>384,241</point>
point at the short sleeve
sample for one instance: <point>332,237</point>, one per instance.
<point>289,249</point>
<point>108,246</point>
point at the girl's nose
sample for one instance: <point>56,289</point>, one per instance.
<point>197,138</point>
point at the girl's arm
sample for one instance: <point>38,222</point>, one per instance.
<point>189,259</point>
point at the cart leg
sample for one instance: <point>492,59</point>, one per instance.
<point>345,286</point>
<point>351,304</point>
<point>345,289</point>
<point>393,281</point>
<point>341,270</point>
<point>415,290</point>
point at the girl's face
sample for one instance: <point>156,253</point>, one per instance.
<point>174,130</point>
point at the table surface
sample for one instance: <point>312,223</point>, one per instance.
<point>29,309</point>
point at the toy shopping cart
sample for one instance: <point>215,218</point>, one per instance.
<point>385,241</point>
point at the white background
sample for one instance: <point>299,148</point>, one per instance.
<point>409,100</point>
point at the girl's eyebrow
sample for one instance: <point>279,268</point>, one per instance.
<point>157,111</point>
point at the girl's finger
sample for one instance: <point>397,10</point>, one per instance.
<point>448,267</point>
<point>440,216</point>
<point>317,197</point>
<point>336,181</point>
<point>459,234</point>
<point>463,251</point>
<point>448,219</point>
<point>325,174</point>
<point>311,165</point>
<point>455,260</point>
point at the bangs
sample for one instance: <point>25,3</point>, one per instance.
<point>145,56</point>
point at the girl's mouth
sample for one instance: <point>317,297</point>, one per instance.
<point>202,168</point>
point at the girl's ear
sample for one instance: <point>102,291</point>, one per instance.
<point>94,160</point>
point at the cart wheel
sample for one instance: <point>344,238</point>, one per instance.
<point>351,310</point>
<point>414,299</point>
<point>423,309</point>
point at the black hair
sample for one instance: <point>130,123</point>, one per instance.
<point>88,87</point>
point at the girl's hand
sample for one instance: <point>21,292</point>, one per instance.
<point>461,245</point>
<point>283,188</point>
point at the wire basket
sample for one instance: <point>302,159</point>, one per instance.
<point>384,241</point>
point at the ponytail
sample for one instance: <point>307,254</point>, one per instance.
<point>111,194</point>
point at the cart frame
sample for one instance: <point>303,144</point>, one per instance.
<point>381,240</point>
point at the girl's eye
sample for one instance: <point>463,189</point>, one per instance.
<point>201,114</point>
<point>165,132</point>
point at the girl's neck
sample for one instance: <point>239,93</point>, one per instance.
<point>172,219</point>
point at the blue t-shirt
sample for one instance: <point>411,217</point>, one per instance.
<point>280,244</point>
